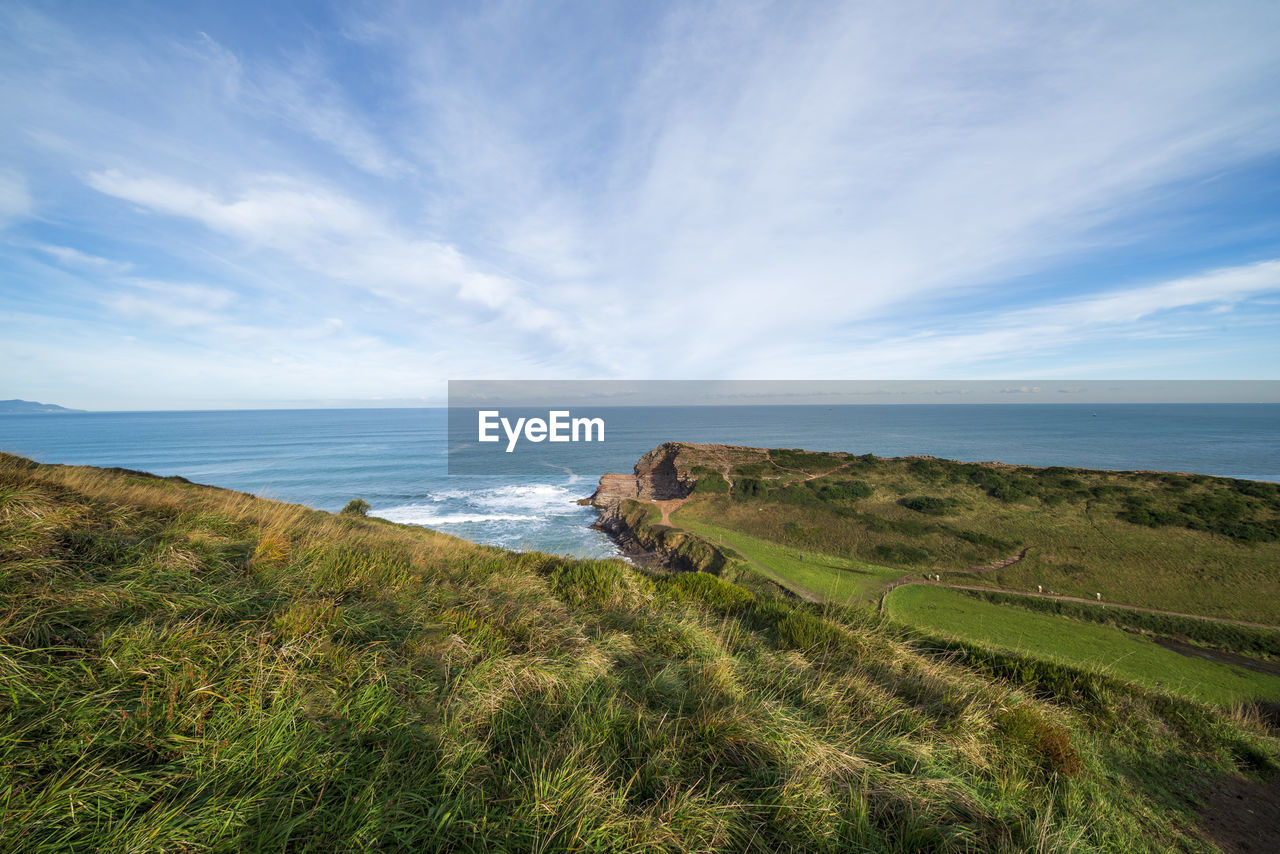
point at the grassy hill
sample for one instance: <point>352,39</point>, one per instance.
<point>190,669</point>
<point>1187,543</point>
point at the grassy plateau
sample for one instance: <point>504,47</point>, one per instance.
<point>184,668</point>
<point>1185,543</point>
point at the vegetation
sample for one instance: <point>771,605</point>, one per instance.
<point>356,507</point>
<point>1185,543</point>
<point>834,579</point>
<point>1088,645</point>
<point>193,669</point>
<point>1229,637</point>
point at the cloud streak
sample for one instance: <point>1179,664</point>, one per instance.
<point>728,190</point>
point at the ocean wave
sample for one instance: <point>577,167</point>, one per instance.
<point>426,514</point>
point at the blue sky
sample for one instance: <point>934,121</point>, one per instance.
<point>244,204</point>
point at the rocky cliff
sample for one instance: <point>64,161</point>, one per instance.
<point>668,472</point>
<point>657,477</point>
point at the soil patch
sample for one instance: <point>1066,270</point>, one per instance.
<point>1242,815</point>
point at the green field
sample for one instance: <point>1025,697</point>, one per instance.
<point>829,578</point>
<point>1184,543</point>
<point>1111,650</point>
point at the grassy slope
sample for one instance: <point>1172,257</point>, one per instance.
<point>834,579</point>
<point>192,669</point>
<point>1112,650</point>
<point>1075,520</point>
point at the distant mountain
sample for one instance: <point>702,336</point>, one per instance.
<point>9,407</point>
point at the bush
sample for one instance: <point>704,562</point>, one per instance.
<point>356,507</point>
<point>928,504</point>
<point>711,484</point>
<point>1219,513</point>
<point>847,490</point>
<point>797,495</point>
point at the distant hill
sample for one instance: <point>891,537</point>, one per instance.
<point>9,407</point>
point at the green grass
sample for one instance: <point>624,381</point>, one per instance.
<point>832,579</point>
<point>191,669</point>
<point>1111,650</point>
<point>1252,641</point>
<point>1185,543</point>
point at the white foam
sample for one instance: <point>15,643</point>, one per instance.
<point>426,514</point>
<point>519,502</point>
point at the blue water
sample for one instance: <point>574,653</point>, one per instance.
<point>395,458</point>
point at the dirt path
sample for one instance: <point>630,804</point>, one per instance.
<point>807,476</point>
<point>1000,564</point>
<point>669,506</point>
<point>1241,815</point>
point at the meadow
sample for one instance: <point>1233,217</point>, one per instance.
<point>827,577</point>
<point>1108,649</point>
<point>190,669</point>
<point>1184,543</point>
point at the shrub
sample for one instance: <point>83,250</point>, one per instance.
<point>356,507</point>
<point>712,483</point>
<point>797,495</point>
<point>928,504</point>
<point>842,490</point>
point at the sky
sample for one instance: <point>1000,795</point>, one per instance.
<point>221,205</point>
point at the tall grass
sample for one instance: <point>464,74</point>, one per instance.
<point>190,669</point>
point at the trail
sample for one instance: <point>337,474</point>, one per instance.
<point>1000,564</point>
<point>668,506</point>
<point>807,476</point>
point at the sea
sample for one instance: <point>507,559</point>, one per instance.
<point>396,458</point>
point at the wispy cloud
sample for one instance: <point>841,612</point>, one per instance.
<point>730,189</point>
<point>75,259</point>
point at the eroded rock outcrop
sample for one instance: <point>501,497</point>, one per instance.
<point>657,477</point>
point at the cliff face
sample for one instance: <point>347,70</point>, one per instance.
<point>657,477</point>
<point>613,489</point>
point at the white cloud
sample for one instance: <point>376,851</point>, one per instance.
<point>15,200</point>
<point>1018,336</point>
<point>77,260</point>
<point>173,305</point>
